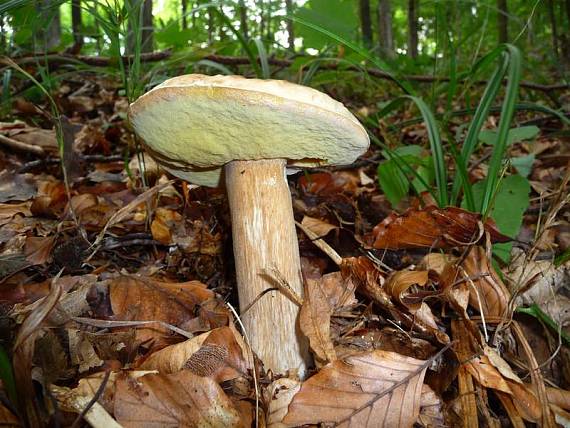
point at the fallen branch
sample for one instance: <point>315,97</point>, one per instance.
<point>101,61</point>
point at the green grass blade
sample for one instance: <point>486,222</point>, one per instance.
<point>265,72</point>
<point>394,75</point>
<point>436,145</point>
<point>215,65</point>
<point>479,118</point>
<point>244,43</point>
<point>496,162</point>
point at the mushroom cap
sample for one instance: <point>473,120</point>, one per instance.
<point>194,124</point>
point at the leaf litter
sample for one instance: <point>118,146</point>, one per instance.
<point>117,296</point>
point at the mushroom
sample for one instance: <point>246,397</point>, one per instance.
<point>200,128</point>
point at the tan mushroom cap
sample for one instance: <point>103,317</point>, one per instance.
<point>195,124</point>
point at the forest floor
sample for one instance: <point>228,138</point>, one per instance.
<point>118,290</point>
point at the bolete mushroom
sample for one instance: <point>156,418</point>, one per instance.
<point>197,126</point>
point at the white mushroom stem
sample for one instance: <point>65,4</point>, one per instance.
<point>265,240</point>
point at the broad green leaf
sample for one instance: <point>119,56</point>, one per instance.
<point>511,201</point>
<point>172,35</point>
<point>523,164</point>
<point>516,135</point>
<point>336,16</point>
<point>393,182</point>
<point>408,150</point>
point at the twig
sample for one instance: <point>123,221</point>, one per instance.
<point>21,147</point>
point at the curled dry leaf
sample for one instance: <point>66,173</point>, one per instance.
<point>489,294</point>
<point>180,399</point>
<point>315,318</point>
<point>398,285</point>
<point>370,281</point>
<point>432,227</point>
<point>366,390</point>
<point>318,227</point>
<point>186,355</point>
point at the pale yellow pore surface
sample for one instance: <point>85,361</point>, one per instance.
<point>195,124</point>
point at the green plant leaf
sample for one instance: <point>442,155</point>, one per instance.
<point>516,135</point>
<point>7,376</point>
<point>511,201</point>
<point>336,16</point>
<point>393,182</point>
<point>523,164</point>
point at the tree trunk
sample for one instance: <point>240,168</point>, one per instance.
<point>269,32</point>
<point>49,35</point>
<point>552,16</point>
<point>365,22</point>
<point>184,4</point>
<point>413,6</point>
<point>243,19</point>
<point>261,4</point>
<point>290,29</point>
<point>210,27</point>
<point>76,26</point>
<point>147,27</point>
<point>385,35</point>
<point>502,21</point>
<point>221,31</point>
<point>3,45</point>
<point>140,21</point>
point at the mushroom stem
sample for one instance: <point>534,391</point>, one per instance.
<point>265,240</point>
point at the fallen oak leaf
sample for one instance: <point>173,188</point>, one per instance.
<point>180,399</point>
<point>432,227</point>
<point>375,388</point>
<point>315,317</point>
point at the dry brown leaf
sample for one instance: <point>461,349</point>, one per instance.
<point>180,399</point>
<point>432,227</point>
<point>467,402</point>
<point>399,282</point>
<point>525,401</point>
<point>172,303</point>
<point>490,294</point>
<point>436,262</point>
<point>7,211</point>
<point>431,408</point>
<point>81,351</point>
<point>172,358</point>
<point>314,320</point>
<point>279,395</point>
<point>69,400</point>
<point>500,364</point>
<point>372,389</point>
<point>486,374</point>
<point>186,355</point>
<point>38,250</point>
<point>163,223</point>
<point>7,418</point>
<point>514,416</point>
<point>318,227</point>
<point>560,397</point>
